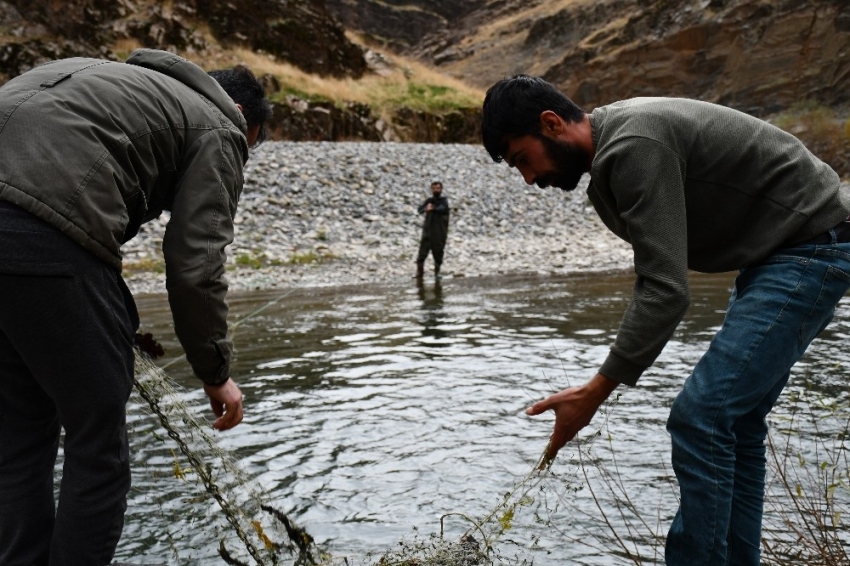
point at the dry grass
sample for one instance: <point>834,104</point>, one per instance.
<point>406,83</point>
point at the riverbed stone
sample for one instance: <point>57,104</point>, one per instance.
<point>335,213</point>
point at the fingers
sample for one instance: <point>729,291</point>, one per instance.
<point>566,424</point>
<point>539,407</point>
<point>231,417</point>
<point>226,403</point>
<point>217,407</point>
<point>557,441</point>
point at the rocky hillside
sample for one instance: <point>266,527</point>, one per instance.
<point>398,24</point>
<point>218,33</point>
<point>761,56</point>
<point>757,55</point>
<point>298,31</point>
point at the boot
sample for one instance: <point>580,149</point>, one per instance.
<point>437,272</point>
<point>420,266</point>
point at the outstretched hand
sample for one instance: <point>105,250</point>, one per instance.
<point>574,408</point>
<point>226,403</point>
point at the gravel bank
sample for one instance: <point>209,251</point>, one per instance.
<point>319,214</point>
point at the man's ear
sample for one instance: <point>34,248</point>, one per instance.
<point>239,106</point>
<point>550,123</point>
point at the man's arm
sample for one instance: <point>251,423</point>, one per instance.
<point>424,206</point>
<point>200,229</point>
<point>647,181</point>
<point>441,206</point>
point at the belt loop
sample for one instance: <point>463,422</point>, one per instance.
<point>833,237</point>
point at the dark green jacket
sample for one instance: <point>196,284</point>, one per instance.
<point>96,148</point>
<point>693,185</point>
<point>435,229</point>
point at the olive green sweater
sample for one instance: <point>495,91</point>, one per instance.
<point>693,185</point>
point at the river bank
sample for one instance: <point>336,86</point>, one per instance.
<point>321,213</point>
<point>318,214</point>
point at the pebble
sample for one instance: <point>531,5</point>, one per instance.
<point>340,213</point>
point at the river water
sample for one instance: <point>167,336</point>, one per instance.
<point>372,411</point>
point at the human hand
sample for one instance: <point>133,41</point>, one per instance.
<point>429,207</point>
<point>574,408</point>
<point>226,403</point>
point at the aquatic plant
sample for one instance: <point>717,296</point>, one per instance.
<point>808,500</point>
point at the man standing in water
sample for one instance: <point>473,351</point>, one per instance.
<point>435,229</point>
<point>693,185</point>
<point>91,150</point>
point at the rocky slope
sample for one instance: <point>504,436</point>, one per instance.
<point>400,24</point>
<point>757,55</point>
<point>301,32</point>
<point>761,56</point>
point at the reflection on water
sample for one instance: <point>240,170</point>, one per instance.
<point>374,410</point>
<point>432,306</point>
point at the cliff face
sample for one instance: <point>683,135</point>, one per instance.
<point>760,56</point>
<point>400,24</point>
<point>757,55</point>
<point>301,32</point>
<point>298,31</point>
<point>300,120</point>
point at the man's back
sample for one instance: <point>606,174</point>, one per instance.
<point>96,147</point>
<point>738,186</point>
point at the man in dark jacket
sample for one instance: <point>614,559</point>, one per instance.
<point>693,185</point>
<point>435,229</point>
<point>92,149</point>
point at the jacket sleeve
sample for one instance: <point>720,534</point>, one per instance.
<point>647,180</point>
<point>441,206</point>
<point>422,206</point>
<point>200,228</point>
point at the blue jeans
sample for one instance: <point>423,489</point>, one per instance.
<point>717,422</point>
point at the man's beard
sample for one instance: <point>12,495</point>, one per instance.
<point>570,164</point>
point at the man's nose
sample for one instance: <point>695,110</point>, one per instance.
<point>527,175</point>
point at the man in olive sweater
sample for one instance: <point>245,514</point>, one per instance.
<point>692,185</point>
<point>92,149</point>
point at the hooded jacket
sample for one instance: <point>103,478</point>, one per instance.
<point>97,148</point>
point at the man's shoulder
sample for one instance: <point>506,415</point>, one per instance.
<point>191,75</point>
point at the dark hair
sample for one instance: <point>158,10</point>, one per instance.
<point>243,87</point>
<point>437,183</point>
<point>512,109</point>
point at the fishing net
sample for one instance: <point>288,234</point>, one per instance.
<point>238,518</point>
<point>255,529</point>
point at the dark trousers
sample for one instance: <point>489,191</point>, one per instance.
<point>427,244</point>
<point>66,360</point>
